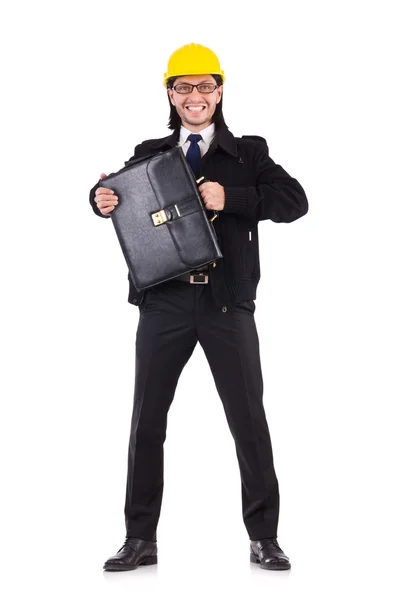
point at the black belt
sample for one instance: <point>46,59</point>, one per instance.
<point>194,276</point>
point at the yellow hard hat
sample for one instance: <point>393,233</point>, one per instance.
<point>193,59</point>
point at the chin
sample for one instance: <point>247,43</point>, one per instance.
<point>207,120</point>
<point>197,122</point>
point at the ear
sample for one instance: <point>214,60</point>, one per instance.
<point>171,96</point>
<point>219,93</point>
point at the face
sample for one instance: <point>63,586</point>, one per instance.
<point>195,110</point>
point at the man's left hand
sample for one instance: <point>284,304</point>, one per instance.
<point>213,195</point>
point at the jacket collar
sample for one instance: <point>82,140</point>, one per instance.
<point>223,138</point>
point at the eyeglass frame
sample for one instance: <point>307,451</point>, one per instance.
<point>194,86</point>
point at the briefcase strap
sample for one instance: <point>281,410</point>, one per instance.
<point>175,211</point>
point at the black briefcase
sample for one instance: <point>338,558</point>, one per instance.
<point>161,222</point>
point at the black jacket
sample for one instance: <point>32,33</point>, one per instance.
<point>256,188</point>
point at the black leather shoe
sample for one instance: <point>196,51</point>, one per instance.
<point>133,553</point>
<point>269,555</point>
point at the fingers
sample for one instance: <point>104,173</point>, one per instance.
<point>208,200</point>
<point>106,200</point>
<point>205,195</point>
<point>103,190</point>
<point>107,210</point>
<point>204,199</point>
<point>205,185</point>
<point>213,195</point>
<point>207,190</point>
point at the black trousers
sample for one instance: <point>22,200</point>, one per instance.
<point>174,316</point>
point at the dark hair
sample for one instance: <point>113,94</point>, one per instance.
<point>175,122</point>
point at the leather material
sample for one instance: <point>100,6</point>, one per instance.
<point>186,241</point>
<point>133,553</point>
<point>268,554</point>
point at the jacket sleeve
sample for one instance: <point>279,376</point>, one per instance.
<point>94,206</point>
<point>277,196</point>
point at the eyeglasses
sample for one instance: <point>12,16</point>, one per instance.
<point>202,88</point>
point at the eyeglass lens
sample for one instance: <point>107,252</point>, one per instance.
<point>202,88</point>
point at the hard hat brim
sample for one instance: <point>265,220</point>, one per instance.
<point>168,76</point>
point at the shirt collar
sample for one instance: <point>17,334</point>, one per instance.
<point>223,138</point>
<point>207,134</point>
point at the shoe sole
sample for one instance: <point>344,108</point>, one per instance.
<point>151,560</point>
<point>280,567</point>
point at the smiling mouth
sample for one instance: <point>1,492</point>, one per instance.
<point>195,108</point>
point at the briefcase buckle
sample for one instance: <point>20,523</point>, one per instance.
<point>159,217</point>
<point>192,278</point>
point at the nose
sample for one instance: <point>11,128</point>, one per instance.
<point>195,93</point>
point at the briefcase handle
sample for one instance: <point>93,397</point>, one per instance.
<point>203,180</point>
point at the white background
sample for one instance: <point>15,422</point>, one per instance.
<point>82,85</point>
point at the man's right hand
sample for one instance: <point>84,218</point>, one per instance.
<point>105,198</point>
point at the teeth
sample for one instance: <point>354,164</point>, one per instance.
<point>195,108</point>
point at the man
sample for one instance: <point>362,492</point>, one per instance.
<point>215,307</point>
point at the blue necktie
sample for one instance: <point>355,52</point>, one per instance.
<point>193,155</point>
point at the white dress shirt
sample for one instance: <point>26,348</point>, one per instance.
<point>207,135</point>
